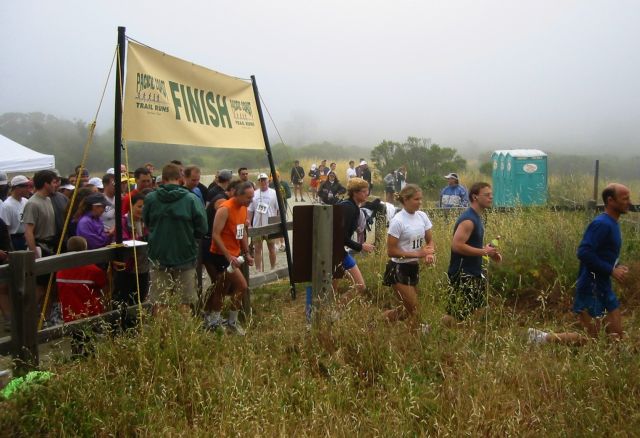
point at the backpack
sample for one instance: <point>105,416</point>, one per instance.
<point>389,180</point>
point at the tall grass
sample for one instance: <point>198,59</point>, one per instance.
<point>360,375</point>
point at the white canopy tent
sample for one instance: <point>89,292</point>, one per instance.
<point>17,158</point>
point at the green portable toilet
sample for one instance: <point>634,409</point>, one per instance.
<point>524,178</point>
<point>496,176</point>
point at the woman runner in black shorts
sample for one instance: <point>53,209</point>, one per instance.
<point>409,240</point>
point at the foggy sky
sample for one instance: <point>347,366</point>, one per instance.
<point>467,74</point>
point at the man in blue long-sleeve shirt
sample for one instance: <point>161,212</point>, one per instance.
<point>598,253</point>
<point>453,195</point>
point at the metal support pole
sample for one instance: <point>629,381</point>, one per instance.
<point>276,183</point>
<point>595,182</point>
<point>117,131</point>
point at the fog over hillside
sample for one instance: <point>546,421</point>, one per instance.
<point>474,75</point>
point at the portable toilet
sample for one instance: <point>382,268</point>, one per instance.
<point>524,178</point>
<point>496,176</point>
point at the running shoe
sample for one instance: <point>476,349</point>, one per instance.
<point>236,329</point>
<point>537,336</point>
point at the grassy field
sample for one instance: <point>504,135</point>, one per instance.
<point>359,375</point>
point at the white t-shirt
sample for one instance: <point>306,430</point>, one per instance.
<point>108,218</point>
<point>11,213</point>
<point>409,229</point>
<point>351,173</point>
<point>263,206</point>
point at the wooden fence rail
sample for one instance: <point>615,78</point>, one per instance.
<point>20,274</point>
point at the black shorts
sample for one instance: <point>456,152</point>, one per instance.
<point>46,249</point>
<point>403,273</point>
<point>467,293</point>
<point>205,250</point>
<point>219,261</point>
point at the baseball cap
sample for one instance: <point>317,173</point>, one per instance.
<point>97,199</point>
<point>313,166</point>
<point>263,176</point>
<point>68,186</point>
<point>97,182</point>
<point>19,180</point>
<point>124,177</point>
<point>362,163</point>
<point>3,179</point>
<point>110,171</point>
<point>225,175</point>
<point>452,175</point>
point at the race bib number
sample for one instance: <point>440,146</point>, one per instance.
<point>239,231</point>
<point>417,242</point>
<point>262,208</point>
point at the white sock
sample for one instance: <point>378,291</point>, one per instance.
<point>233,317</point>
<point>538,336</point>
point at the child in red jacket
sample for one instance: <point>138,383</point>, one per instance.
<point>80,294</point>
<point>80,289</point>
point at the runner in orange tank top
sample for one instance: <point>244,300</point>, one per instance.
<point>228,241</point>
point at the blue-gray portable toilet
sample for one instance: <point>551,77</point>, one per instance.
<point>496,176</point>
<point>519,177</point>
<point>524,178</point>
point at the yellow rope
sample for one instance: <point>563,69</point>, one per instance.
<point>85,154</point>
<point>92,127</point>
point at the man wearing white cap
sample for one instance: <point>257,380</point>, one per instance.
<point>11,211</point>
<point>365,173</point>
<point>97,183</point>
<point>263,207</point>
<point>314,174</point>
<point>453,195</point>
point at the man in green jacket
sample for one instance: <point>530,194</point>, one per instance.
<point>175,218</point>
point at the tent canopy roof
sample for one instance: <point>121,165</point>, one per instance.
<point>17,158</point>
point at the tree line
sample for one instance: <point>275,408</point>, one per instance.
<point>65,139</point>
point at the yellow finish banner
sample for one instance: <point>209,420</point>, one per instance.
<point>168,100</point>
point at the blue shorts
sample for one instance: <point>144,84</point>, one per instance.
<point>348,262</point>
<point>595,302</point>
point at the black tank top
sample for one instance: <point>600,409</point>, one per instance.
<point>471,265</point>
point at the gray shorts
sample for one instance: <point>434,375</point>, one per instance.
<point>173,282</point>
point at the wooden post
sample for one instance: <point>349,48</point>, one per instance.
<point>246,299</point>
<point>24,311</point>
<point>321,257</point>
<point>380,229</point>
